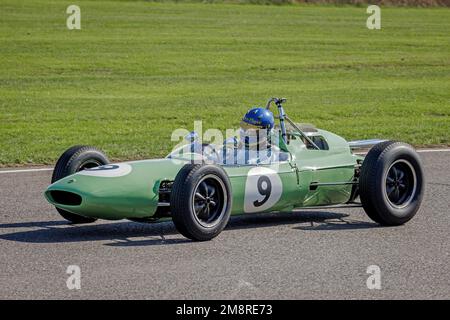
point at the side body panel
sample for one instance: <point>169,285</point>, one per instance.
<point>323,168</point>
<point>264,188</point>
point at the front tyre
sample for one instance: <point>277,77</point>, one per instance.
<point>74,159</point>
<point>391,183</point>
<point>201,201</point>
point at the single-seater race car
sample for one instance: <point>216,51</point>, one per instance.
<point>313,168</point>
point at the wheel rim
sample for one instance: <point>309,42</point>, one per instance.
<point>400,183</point>
<point>89,164</point>
<point>209,201</point>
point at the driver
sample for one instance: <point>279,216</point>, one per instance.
<point>254,145</point>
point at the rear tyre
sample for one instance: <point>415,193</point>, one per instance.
<point>391,183</point>
<point>74,159</point>
<point>201,201</point>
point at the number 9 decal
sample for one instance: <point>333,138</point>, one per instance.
<point>263,189</point>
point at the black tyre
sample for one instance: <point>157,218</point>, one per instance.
<point>200,201</point>
<point>75,159</point>
<point>391,183</point>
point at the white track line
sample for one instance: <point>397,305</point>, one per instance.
<point>26,170</point>
<point>50,169</point>
<point>432,150</point>
<point>418,151</point>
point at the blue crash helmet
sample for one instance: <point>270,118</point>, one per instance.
<point>258,118</point>
<point>256,127</point>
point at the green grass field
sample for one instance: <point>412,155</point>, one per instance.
<point>137,70</point>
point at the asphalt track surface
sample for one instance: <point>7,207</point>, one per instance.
<point>312,254</point>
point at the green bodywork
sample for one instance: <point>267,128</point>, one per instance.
<point>135,195</point>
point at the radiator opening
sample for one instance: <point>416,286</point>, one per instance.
<point>65,198</point>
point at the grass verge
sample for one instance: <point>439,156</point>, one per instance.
<point>137,70</point>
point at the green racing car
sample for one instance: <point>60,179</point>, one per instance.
<point>199,186</point>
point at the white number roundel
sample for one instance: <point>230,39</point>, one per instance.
<point>263,189</point>
<point>108,171</point>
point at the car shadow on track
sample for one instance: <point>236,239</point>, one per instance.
<point>123,232</point>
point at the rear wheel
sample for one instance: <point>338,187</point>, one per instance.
<point>201,201</point>
<point>391,183</point>
<point>77,158</point>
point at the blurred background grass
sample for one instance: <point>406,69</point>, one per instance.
<point>396,3</point>
<point>138,69</point>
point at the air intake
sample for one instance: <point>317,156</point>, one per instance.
<point>65,198</point>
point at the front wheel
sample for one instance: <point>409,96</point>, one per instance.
<point>74,159</point>
<point>201,201</point>
<point>391,183</point>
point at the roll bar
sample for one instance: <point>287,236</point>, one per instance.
<point>283,117</point>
